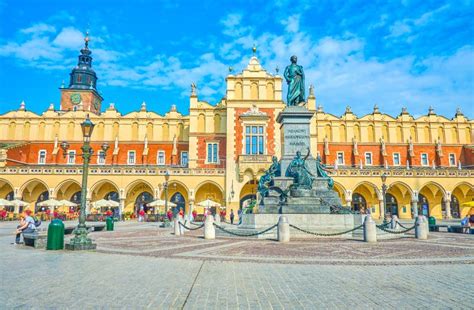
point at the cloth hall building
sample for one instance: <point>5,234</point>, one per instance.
<point>219,151</point>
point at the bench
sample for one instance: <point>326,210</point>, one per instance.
<point>437,227</point>
<point>460,229</point>
<point>35,239</point>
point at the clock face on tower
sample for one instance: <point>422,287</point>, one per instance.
<point>76,98</point>
<point>96,104</point>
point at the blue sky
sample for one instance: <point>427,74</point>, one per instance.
<point>357,53</point>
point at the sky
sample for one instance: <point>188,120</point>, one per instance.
<point>395,54</point>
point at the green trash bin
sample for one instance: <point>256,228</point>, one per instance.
<point>109,223</point>
<point>431,223</point>
<point>55,235</point>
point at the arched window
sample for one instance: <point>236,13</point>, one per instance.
<point>342,133</point>
<point>238,90</point>
<point>270,91</point>
<point>179,201</point>
<point>201,123</point>
<point>142,200</point>
<point>254,91</point>
<point>455,211</point>
<point>42,197</point>
<point>112,196</point>
<point>370,133</point>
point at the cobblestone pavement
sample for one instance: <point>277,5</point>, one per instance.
<point>141,266</point>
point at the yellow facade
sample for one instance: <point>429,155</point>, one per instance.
<point>253,98</point>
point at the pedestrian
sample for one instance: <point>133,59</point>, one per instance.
<point>465,224</point>
<point>141,214</point>
<point>232,216</point>
<point>27,225</point>
<point>181,213</point>
<point>169,214</point>
<point>194,215</point>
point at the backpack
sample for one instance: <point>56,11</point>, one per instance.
<point>37,221</point>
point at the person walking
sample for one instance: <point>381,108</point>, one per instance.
<point>465,224</point>
<point>231,216</point>
<point>141,215</point>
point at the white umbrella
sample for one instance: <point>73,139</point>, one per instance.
<point>208,203</point>
<point>67,203</point>
<point>5,203</point>
<point>105,203</point>
<point>160,203</point>
<point>49,203</point>
<point>18,203</point>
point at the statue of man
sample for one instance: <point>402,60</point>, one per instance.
<point>266,180</point>
<point>294,76</point>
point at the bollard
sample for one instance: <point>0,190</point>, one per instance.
<point>427,224</point>
<point>370,230</point>
<point>394,222</point>
<point>181,228</point>
<point>217,218</point>
<point>209,229</point>
<point>421,231</point>
<point>177,230</point>
<point>283,229</point>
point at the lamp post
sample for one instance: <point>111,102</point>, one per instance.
<point>384,192</point>
<point>80,240</point>
<point>165,187</point>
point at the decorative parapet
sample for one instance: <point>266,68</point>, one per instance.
<point>397,172</point>
<point>114,170</point>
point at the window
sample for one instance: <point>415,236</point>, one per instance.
<point>368,159</point>
<point>101,158</point>
<point>424,159</point>
<point>212,152</point>
<point>71,157</point>
<point>184,159</point>
<point>396,159</point>
<point>254,141</point>
<point>452,159</point>
<point>131,157</point>
<point>160,158</point>
<point>340,158</point>
<point>42,157</point>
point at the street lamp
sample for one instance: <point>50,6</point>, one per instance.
<point>165,187</point>
<point>384,192</point>
<point>80,240</point>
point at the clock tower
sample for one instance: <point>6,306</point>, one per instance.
<point>81,94</point>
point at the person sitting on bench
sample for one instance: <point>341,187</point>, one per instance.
<point>465,224</point>
<point>27,225</point>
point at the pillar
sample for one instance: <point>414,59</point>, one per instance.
<point>209,229</point>
<point>447,205</point>
<point>414,207</point>
<point>381,209</point>
<point>421,230</point>
<point>121,207</point>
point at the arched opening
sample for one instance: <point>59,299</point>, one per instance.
<point>175,187</point>
<point>359,204</point>
<point>340,192</point>
<point>368,192</point>
<point>402,195</point>
<point>180,202</point>
<point>42,197</point>
<point>135,131</point>
<point>357,132</point>
<point>433,194</point>
<point>211,191</point>
<point>342,133</point>
<point>462,194</point>
<point>248,193</point>
<point>33,192</point>
<point>139,193</point>
<point>104,190</point>
<point>391,204</point>
<point>423,205</point>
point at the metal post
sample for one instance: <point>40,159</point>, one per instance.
<point>384,192</point>
<point>80,240</point>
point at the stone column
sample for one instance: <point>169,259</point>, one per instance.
<point>177,231</point>
<point>447,205</point>
<point>283,229</point>
<point>121,207</point>
<point>382,209</point>
<point>414,207</point>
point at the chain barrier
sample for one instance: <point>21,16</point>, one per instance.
<point>192,223</point>
<point>189,228</point>
<point>326,234</point>
<point>395,232</point>
<point>231,223</point>
<point>402,226</point>
<point>245,235</point>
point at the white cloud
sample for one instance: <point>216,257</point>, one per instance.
<point>38,29</point>
<point>292,24</point>
<point>70,38</point>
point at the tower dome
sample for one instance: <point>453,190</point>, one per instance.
<point>83,76</point>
